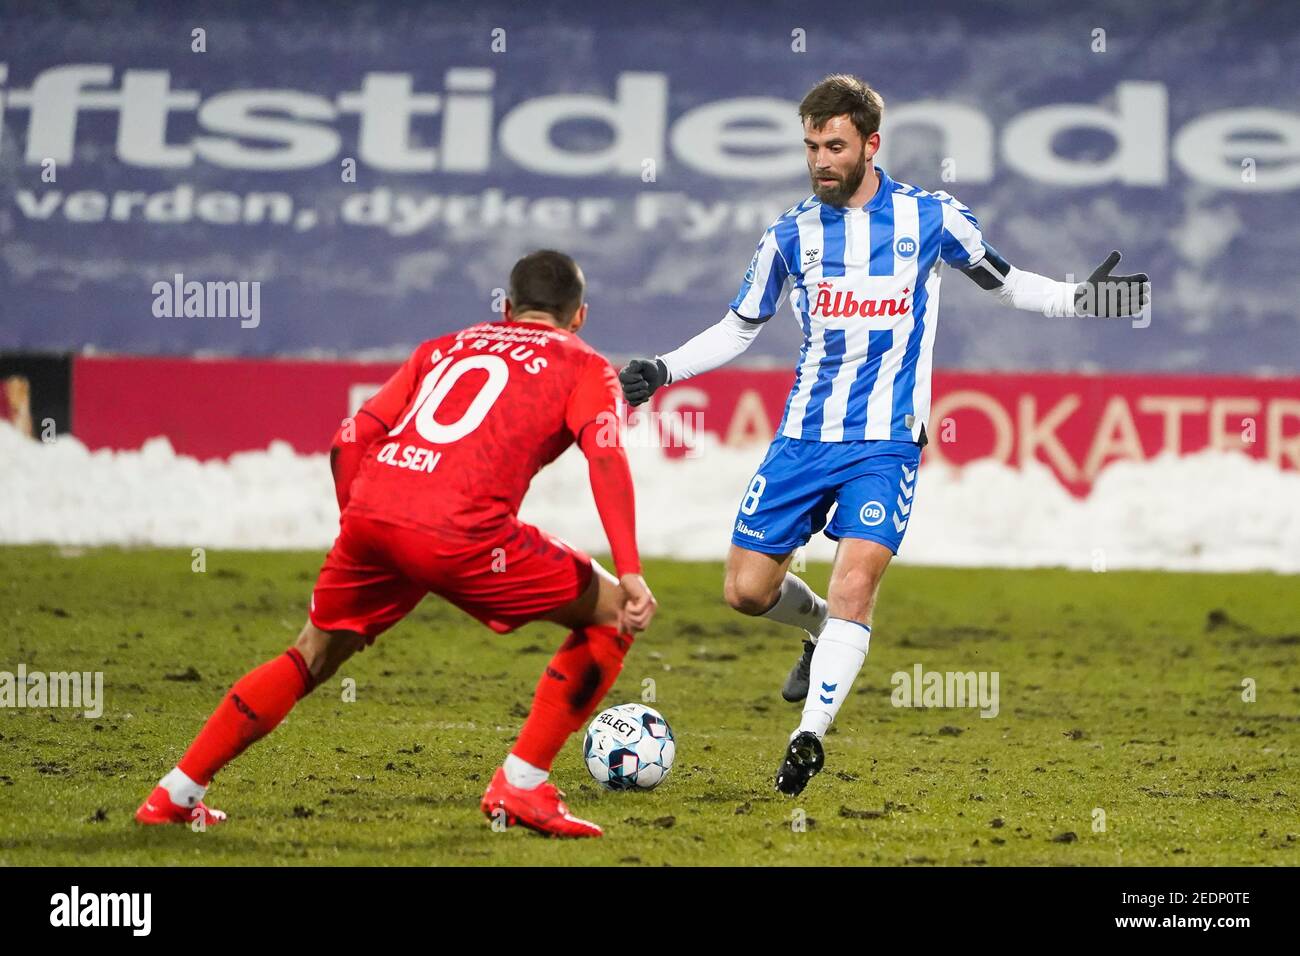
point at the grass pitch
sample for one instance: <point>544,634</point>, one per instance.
<point>1120,694</point>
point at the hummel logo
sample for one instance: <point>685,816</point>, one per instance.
<point>903,502</point>
<point>811,254</point>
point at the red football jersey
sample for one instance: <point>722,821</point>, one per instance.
<point>471,418</point>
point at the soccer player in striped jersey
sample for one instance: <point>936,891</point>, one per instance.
<point>863,256</point>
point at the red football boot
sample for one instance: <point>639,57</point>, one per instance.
<point>159,808</point>
<point>541,809</point>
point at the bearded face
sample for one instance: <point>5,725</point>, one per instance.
<point>837,158</point>
<point>835,186</point>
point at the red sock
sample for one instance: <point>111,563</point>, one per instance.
<point>251,710</point>
<point>578,677</point>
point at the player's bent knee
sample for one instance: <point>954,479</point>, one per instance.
<point>325,651</point>
<point>747,598</point>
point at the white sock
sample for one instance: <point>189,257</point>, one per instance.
<point>798,606</point>
<point>183,791</point>
<point>836,661</point>
<point>520,773</point>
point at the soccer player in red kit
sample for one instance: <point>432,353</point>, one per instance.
<point>429,486</point>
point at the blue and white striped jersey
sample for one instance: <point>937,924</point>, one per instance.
<point>866,292</point>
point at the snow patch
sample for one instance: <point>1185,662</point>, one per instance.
<point>1213,511</point>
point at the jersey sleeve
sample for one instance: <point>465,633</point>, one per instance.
<point>593,400</point>
<point>376,416</point>
<point>760,290</point>
<point>596,392</point>
<point>962,243</point>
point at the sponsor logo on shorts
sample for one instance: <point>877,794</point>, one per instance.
<point>872,514</point>
<point>742,528</point>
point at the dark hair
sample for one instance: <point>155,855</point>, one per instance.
<point>547,281</point>
<point>842,94</point>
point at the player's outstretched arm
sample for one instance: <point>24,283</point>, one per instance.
<point>1103,294</point>
<point>611,487</point>
<point>714,347</point>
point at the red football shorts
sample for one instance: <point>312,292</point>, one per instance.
<point>376,573</point>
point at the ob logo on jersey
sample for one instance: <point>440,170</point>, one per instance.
<point>905,247</point>
<point>872,514</point>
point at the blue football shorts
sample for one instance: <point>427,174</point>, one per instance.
<point>870,484</point>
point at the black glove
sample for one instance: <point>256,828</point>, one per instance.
<point>1107,296</point>
<point>641,378</point>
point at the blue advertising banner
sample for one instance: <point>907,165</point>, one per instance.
<point>345,179</point>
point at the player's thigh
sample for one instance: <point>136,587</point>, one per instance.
<point>360,589</point>
<point>860,564</point>
<point>601,604</point>
<point>785,503</point>
<point>753,578</point>
<point>523,574</point>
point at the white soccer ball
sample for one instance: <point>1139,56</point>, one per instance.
<point>629,747</point>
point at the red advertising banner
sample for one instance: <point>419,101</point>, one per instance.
<point>211,408</point>
<point>1076,424</point>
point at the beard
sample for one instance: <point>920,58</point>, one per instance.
<point>839,193</point>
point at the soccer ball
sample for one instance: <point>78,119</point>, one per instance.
<point>629,747</point>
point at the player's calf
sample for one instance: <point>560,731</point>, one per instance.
<point>855,583</point>
<point>761,585</point>
<point>837,657</point>
<point>568,692</point>
<point>251,709</point>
